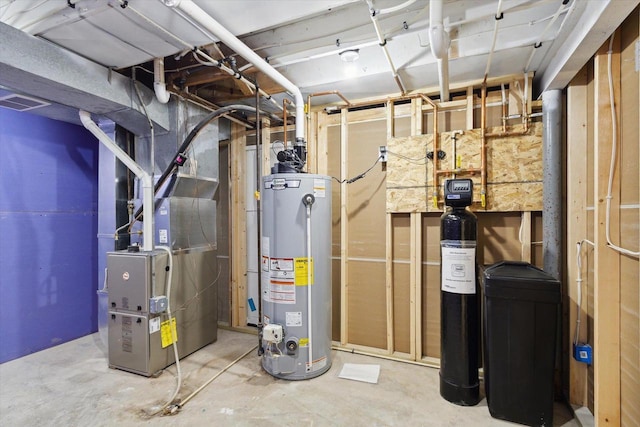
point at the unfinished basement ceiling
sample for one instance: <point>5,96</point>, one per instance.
<point>304,39</point>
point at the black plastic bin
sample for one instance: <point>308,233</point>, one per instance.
<point>520,326</point>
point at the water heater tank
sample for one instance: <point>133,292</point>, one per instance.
<point>296,275</point>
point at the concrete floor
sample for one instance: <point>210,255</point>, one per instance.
<point>71,385</point>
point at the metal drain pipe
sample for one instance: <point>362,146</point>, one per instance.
<point>552,182</point>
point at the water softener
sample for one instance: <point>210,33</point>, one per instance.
<point>459,334</point>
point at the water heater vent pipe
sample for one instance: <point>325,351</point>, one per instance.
<point>147,181</point>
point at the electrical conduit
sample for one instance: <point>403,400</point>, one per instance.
<point>147,180</point>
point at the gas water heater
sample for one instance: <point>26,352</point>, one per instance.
<point>459,334</point>
<point>295,339</point>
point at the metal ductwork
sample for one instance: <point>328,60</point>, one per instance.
<point>40,69</point>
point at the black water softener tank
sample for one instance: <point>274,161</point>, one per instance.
<point>459,329</point>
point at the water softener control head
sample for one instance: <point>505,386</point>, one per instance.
<point>458,193</point>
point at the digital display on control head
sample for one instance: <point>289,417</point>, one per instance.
<point>460,186</point>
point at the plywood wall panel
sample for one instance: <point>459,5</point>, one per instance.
<point>431,310</point>
<point>431,238</point>
<point>401,300</point>
<point>335,299</point>
<point>333,169</point>
<point>367,308</point>
<point>498,237</point>
<point>367,195</point>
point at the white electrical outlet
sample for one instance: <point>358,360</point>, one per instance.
<point>382,153</point>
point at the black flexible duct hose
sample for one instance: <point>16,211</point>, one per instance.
<point>187,143</point>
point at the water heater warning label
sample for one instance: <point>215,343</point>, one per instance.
<point>459,270</point>
<point>302,271</point>
<point>319,188</point>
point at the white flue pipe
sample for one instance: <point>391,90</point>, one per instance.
<point>201,17</point>
<point>439,41</point>
<point>159,86</point>
<point>147,181</point>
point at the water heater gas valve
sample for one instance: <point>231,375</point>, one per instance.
<point>272,333</point>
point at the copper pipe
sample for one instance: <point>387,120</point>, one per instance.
<point>329,92</point>
<point>435,155</point>
<point>504,109</point>
<point>284,118</point>
<point>483,148</point>
<point>458,170</point>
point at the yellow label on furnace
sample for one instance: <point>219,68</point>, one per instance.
<point>169,335</point>
<point>302,271</point>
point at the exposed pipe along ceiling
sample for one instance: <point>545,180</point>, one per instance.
<point>345,53</point>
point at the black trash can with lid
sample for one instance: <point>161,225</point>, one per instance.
<point>520,326</point>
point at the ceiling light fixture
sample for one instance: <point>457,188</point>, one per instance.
<point>350,55</point>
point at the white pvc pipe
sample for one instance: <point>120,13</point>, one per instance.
<point>394,9</point>
<point>210,24</point>
<point>439,41</point>
<point>147,181</point>
<point>159,86</point>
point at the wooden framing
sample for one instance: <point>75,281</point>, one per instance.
<point>577,108</point>
<point>238,226</point>
<point>344,229</point>
<point>409,342</point>
<point>607,261</point>
<point>389,248</point>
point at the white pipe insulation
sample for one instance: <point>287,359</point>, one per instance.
<point>439,41</point>
<point>201,17</point>
<point>159,85</point>
<point>147,180</point>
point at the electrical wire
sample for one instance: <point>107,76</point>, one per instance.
<point>168,405</point>
<point>360,176</point>
<point>579,286</point>
<point>421,160</point>
<point>612,166</point>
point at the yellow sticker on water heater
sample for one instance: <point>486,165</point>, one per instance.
<point>168,335</point>
<point>302,271</point>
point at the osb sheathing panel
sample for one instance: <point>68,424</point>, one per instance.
<point>514,169</point>
<point>367,319</point>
